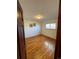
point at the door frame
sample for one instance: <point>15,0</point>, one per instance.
<point>21,49</point>
<point>57,54</point>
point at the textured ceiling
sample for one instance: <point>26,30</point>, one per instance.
<point>46,8</point>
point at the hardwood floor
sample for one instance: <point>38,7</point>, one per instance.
<point>40,47</point>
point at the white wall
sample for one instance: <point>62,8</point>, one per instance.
<point>31,31</point>
<point>39,28</point>
<point>49,32</point>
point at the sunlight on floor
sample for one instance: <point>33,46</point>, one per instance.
<point>49,46</point>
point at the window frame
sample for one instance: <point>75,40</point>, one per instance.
<point>50,26</point>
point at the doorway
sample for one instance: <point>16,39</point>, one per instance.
<point>40,28</point>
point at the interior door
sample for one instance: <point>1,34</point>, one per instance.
<point>20,34</point>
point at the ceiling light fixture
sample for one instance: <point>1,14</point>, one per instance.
<point>38,17</point>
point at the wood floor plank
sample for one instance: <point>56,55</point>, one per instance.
<point>40,47</point>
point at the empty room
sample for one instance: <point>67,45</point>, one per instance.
<point>37,28</point>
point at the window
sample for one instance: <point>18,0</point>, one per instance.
<point>51,26</point>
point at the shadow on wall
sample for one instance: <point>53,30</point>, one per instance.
<point>49,32</point>
<point>31,31</point>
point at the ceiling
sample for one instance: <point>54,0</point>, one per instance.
<point>48,9</point>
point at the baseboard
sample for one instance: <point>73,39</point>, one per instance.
<point>33,36</point>
<point>42,35</point>
<point>47,36</point>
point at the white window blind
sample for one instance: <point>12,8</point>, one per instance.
<point>51,26</point>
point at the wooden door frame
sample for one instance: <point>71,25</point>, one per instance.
<point>58,38</point>
<point>21,51</point>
